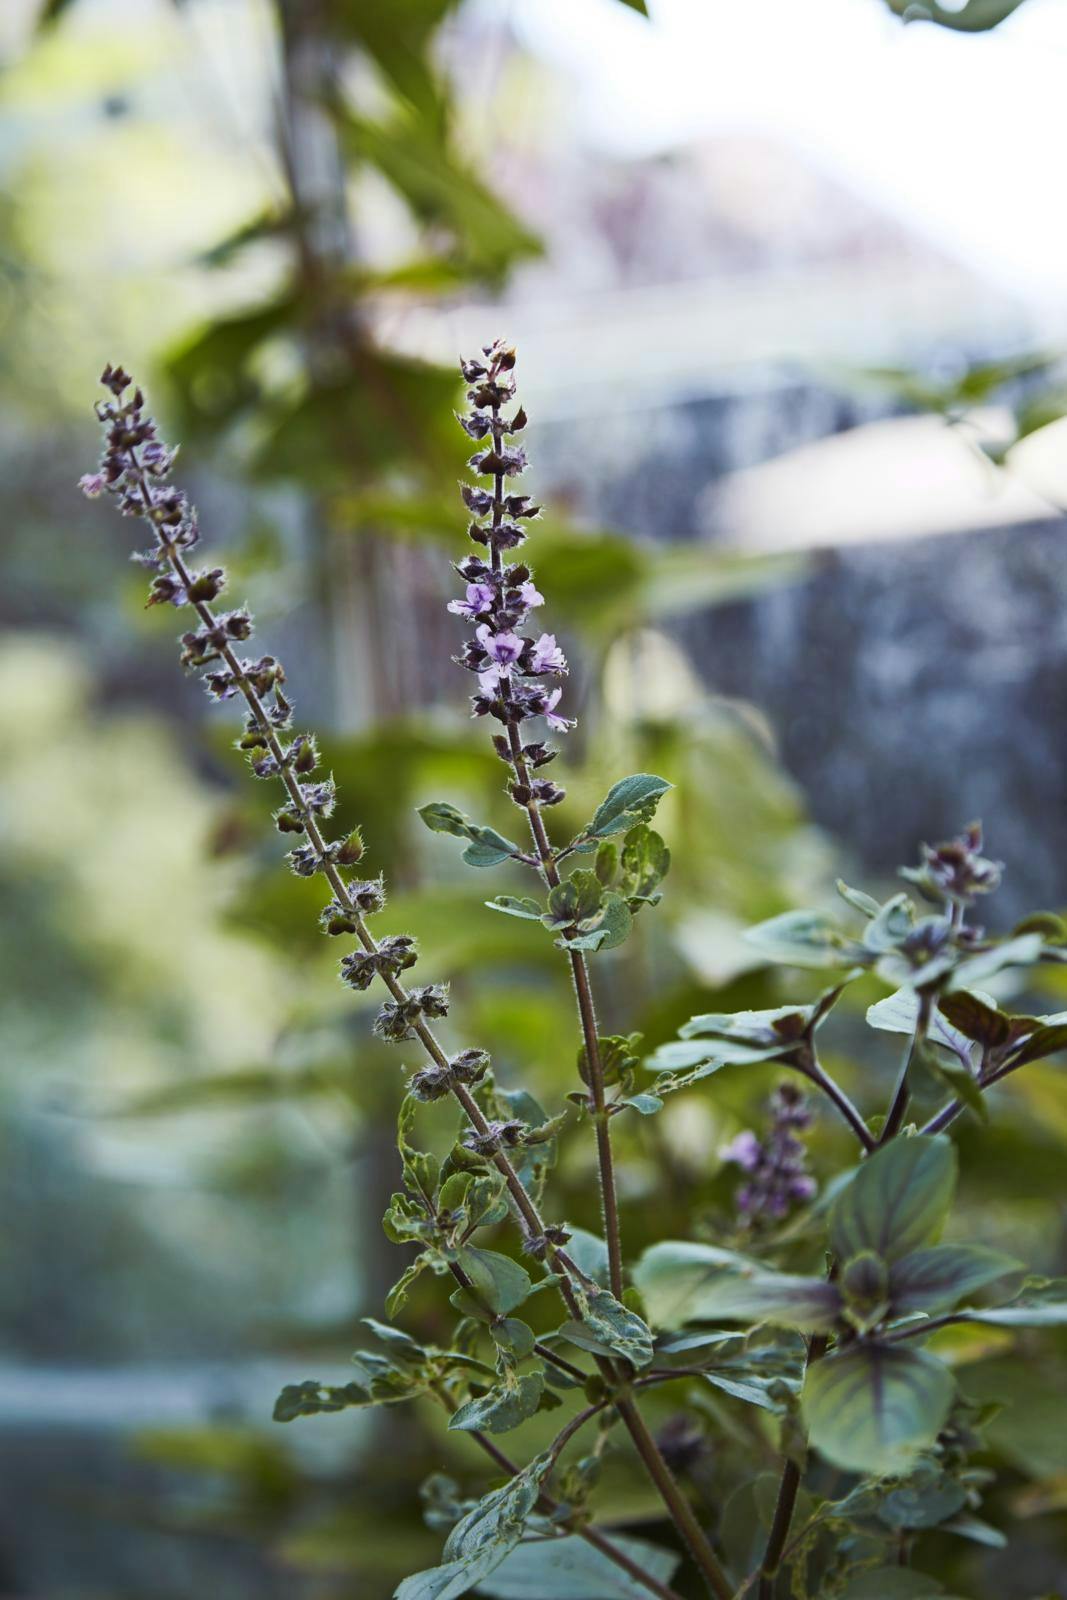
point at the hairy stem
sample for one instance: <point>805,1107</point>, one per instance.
<point>682,1513</point>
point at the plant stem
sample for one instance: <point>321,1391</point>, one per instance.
<point>902,1094</point>
<point>814,1071</point>
<point>681,1511</point>
<point>788,1486</point>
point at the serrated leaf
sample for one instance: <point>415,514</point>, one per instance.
<point>504,1407</point>
<point>480,1540</point>
<point>873,1408</point>
<point>310,1397</point>
<point>896,1201</point>
<point>608,1328</point>
<point>628,802</point>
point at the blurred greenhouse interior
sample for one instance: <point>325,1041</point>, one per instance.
<point>788,286</point>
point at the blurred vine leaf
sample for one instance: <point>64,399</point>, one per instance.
<point>1025,384</point>
<point>977,16</point>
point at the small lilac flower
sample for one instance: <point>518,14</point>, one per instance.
<point>480,597</point>
<point>744,1151</point>
<point>558,723</point>
<point>91,484</point>
<point>776,1164</point>
<point>489,680</point>
<point>531,596</point>
<point>547,655</point>
<point>502,648</point>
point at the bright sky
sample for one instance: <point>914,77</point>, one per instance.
<point>963,135</point>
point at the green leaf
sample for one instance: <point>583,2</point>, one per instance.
<point>804,939</point>
<point>487,847</point>
<point>873,1408</point>
<point>937,1278</point>
<point>610,928</point>
<point>628,802</point>
<point>975,16</point>
<point>754,1391</point>
<point>608,1328</point>
<point>783,1298</point>
<point>480,1540</point>
<point>684,1282</point>
<point>645,862</point>
<point>512,906</point>
<point>504,1407</point>
<point>896,1200</point>
<point>398,1294</point>
<point>309,1398</point>
<point>1023,951</point>
<point>1034,1314</point>
<point>500,1282</point>
<point>899,1013</point>
<point>1046,1041</point>
<point>975,1017</point>
<point>572,1569</point>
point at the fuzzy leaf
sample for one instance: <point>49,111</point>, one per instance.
<point>309,1398</point>
<point>504,1407</point>
<point>873,1407</point>
<point>480,1540</point>
<point>628,802</point>
<point>608,1328</point>
<point>896,1201</point>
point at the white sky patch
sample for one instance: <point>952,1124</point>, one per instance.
<point>960,135</point>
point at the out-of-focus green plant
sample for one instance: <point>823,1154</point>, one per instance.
<point>974,16</point>
<point>814,1320</point>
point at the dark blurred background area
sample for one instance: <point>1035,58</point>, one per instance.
<point>787,293</point>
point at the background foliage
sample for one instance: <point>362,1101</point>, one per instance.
<point>192,1109</point>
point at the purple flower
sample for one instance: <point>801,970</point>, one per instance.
<point>91,484</point>
<point>480,597</point>
<point>489,680</point>
<point>560,724</point>
<point>547,655</point>
<point>531,597</point>
<point>745,1151</point>
<point>502,648</point>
